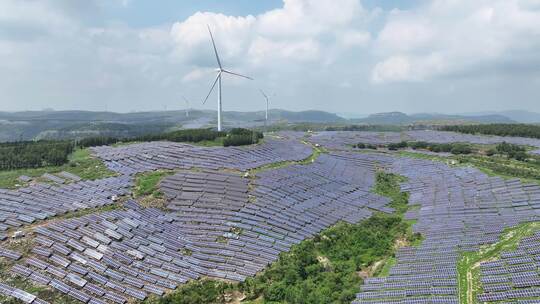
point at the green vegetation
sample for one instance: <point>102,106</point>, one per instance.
<point>242,137</point>
<point>454,148</point>
<point>385,270</point>
<point>147,188</point>
<point>469,263</point>
<point>80,163</point>
<point>147,183</point>
<point>38,154</point>
<point>195,292</point>
<point>325,269</point>
<point>520,130</point>
<point>365,146</point>
<point>321,270</point>
<point>206,137</point>
<point>511,151</point>
<point>372,128</point>
<point>387,184</point>
<point>97,141</point>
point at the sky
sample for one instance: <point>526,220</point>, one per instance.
<point>343,56</point>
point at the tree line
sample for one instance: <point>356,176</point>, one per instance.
<point>518,130</point>
<point>454,148</point>
<point>234,137</point>
<point>34,154</point>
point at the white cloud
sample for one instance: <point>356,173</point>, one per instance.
<point>351,38</point>
<point>446,37</point>
<point>309,17</point>
<point>232,35</point>
<point>73,57</point>
<point>196,74</point>
<point>263,50</point>
<point>395,68</point>
<point>294,33</point>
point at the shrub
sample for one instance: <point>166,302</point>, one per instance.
<point>461,149</point>
<point>97,141</point>
<point>419,145</point>
<point>239,140</point>
<point>491,152</point>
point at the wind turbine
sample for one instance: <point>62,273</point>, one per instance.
<point>266,114</point>
<point>187,105</point>
<point>220,70</point>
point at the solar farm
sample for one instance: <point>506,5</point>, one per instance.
<point>230,212</point>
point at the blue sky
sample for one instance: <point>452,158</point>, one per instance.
<point>356,56</point>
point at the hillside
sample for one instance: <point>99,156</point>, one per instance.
<point>399,118</point>
<point>32,125</point>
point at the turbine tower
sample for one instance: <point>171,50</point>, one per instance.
<point>220,70</point>
<point>187,105</point>
<point>266,114</point>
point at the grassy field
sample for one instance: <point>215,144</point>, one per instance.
<point>148,183</point>
<point>81,163</point>
<point>469,263</point>
<point>146,190</point>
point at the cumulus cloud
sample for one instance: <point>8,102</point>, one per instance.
<point>296,32</point>
<point>448,37</point>
<point>73,56</point>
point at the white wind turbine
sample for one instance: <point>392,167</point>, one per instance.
<point>187,105</point>
<point>266,114</point>
<point>220,70</point>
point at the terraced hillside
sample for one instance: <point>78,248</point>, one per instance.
<point>229,213</point>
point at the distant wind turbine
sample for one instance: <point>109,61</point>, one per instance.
<point>187,105</point>
<point>266,114</point>
<point>220,70</point>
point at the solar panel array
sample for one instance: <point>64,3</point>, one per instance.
<point>459,210</point>
<point>217,224</point>
<point>341,140</point>
<point>515,275</point>
<point>169,155</point>
<point>41,201</point>
<point>220,224</point>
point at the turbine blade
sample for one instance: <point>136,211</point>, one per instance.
<point>215,49</point>
<point>262,92</point>
<point>236,74</point>
<point>212,88</point>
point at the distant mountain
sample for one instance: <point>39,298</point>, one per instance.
<point>399,118</point>
<point>389,118</point>
<point>306,116</point>
<point>493,118</point>
<point>521,116</point>
<point>32,125</point>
